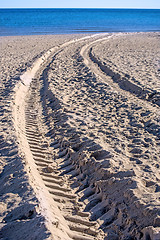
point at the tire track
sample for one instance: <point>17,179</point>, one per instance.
<point>71,166</point>
<point>97,182</point>
<point>81,171</point>
<point>55,180</point>
<point>116,79</point>
<point>60,174</point>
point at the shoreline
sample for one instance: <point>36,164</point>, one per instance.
<point>82,33</point>
<point>78,95</point>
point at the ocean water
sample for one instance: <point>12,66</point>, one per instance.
<point>66,21</point>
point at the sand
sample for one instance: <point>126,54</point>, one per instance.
<point>80,137</point>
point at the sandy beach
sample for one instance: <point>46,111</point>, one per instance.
<point>80,137</point>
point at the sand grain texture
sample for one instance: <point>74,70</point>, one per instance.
<point>80,137</point>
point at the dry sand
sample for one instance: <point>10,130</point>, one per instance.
<point>80,137</point>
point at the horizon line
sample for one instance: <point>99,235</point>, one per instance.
<point>78,8</point>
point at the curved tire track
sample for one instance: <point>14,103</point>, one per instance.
<point>101,69</point>
<point>87,210</point>
<point>58,177</point>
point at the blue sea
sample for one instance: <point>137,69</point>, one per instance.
<point>68,21</point>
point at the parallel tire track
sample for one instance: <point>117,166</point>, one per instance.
<point>68,173</point>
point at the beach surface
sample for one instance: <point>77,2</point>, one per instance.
<point>80,137</point>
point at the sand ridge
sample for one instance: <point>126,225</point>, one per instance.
<point>93,145</point>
